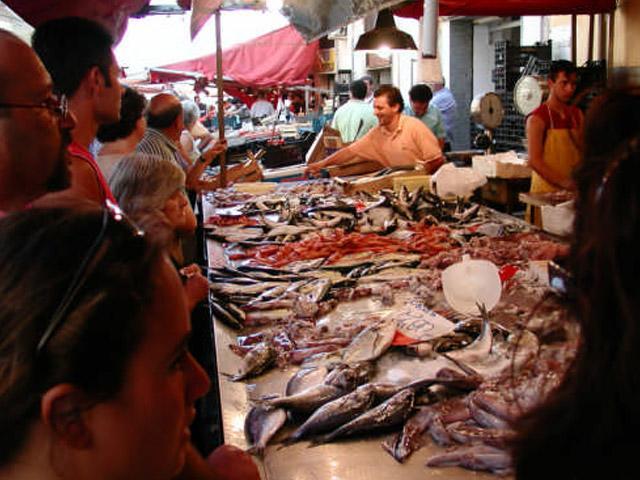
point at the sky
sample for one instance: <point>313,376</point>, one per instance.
<point>158,40</point>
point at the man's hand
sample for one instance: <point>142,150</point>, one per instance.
<point>196,286</point>
<point>313,168</point>
<point>231,463</point>
<point>214,149</point>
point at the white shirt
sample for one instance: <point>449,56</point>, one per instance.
<point>262,108</point>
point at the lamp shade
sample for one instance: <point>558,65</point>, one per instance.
<point>385,35</point>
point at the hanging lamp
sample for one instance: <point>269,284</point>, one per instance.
<point>385,35</point>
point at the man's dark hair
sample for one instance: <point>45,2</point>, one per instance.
<point>420,93</point>
<point>69,47</point>
<point>358,89</point>
<point>164,118</point>
<point>394,97</point>
<point>558,66</point>
<point>367,78</point>
<point>131,110</point>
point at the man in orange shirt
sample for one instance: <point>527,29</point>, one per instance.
<point>398,140</point>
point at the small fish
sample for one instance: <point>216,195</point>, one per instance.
<point>252,289</point>
<point>479,349</point>
<point>348,377</point>
<point>225,316</point>
<point>266,317</point>
<point>403,444</point>
<point>335,413</point>
<point>306,378</point>
<point>307,400</point>
<point>388,414</point>
<point>469,434</point>
<point>261,425</point>
<point>256,361</point>
<point>372,342</point>
<point>478,457</point>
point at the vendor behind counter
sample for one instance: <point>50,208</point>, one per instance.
<point>397,141</point>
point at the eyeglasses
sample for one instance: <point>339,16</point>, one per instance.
<point>57,105</point>
<point>110,212</point>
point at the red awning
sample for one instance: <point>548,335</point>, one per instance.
<point>508,8</point>
<point>111,13</point>
<point>279,58</point>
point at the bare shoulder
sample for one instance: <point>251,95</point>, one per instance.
<point>84,182</point>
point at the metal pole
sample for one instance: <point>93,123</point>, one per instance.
<point>592,24</point>
<point>612,17</point>
<point>574,32</point>
<point>223,156</point>
<point>602,39</point>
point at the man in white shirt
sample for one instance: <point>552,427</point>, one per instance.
<point>262,107</point>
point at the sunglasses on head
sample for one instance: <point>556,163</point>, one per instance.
<point>110,213</point>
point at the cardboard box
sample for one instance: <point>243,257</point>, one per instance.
<point>501,165</point>
<point>359,167</point>
<point>373,184</point>
<point>412,182</point>
<point>327,141</point>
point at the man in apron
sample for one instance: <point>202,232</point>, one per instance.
<point>554,133</point>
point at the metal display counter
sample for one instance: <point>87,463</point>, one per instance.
<point>357,459</point>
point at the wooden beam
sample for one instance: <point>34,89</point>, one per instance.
<point>222,156</point>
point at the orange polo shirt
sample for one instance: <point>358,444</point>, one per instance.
<point>412,143</point>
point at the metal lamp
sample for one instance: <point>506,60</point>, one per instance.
<point>385,35</point>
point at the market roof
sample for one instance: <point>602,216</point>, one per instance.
<point>279,58</point>
<point>507,8</point>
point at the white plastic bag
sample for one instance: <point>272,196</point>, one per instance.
<point>451,181</point>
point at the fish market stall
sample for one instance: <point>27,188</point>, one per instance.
<point>342,355</point>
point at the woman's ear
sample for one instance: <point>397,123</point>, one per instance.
<point>63,408</point>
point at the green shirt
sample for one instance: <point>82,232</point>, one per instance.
<point>432,119</point>
<point>348,117</point>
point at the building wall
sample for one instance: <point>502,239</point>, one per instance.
<point>627,25</point>
<point>483,60</point>
<point>461,83</point>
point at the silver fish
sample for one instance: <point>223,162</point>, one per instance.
<point>372,342</point>
<point>341,380</point>
<point>266,317</point>
<point>348,377</point>
<point>233,289</point>
<point>256,361</point>
<point>335,413</point>
<point>308,400</point>
<point>261,425</point>
<point>479,349</point>
<point>306,378</point>
<point>387,414</point>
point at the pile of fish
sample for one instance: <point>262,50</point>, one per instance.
<point>287,218</point>
<point>467,405</point>
<point>300,265</point>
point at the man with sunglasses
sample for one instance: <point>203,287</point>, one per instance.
<point>35,128</point>
<point>78,54</point>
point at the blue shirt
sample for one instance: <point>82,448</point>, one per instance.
<point>446,103</point>
<point>432,119</point>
